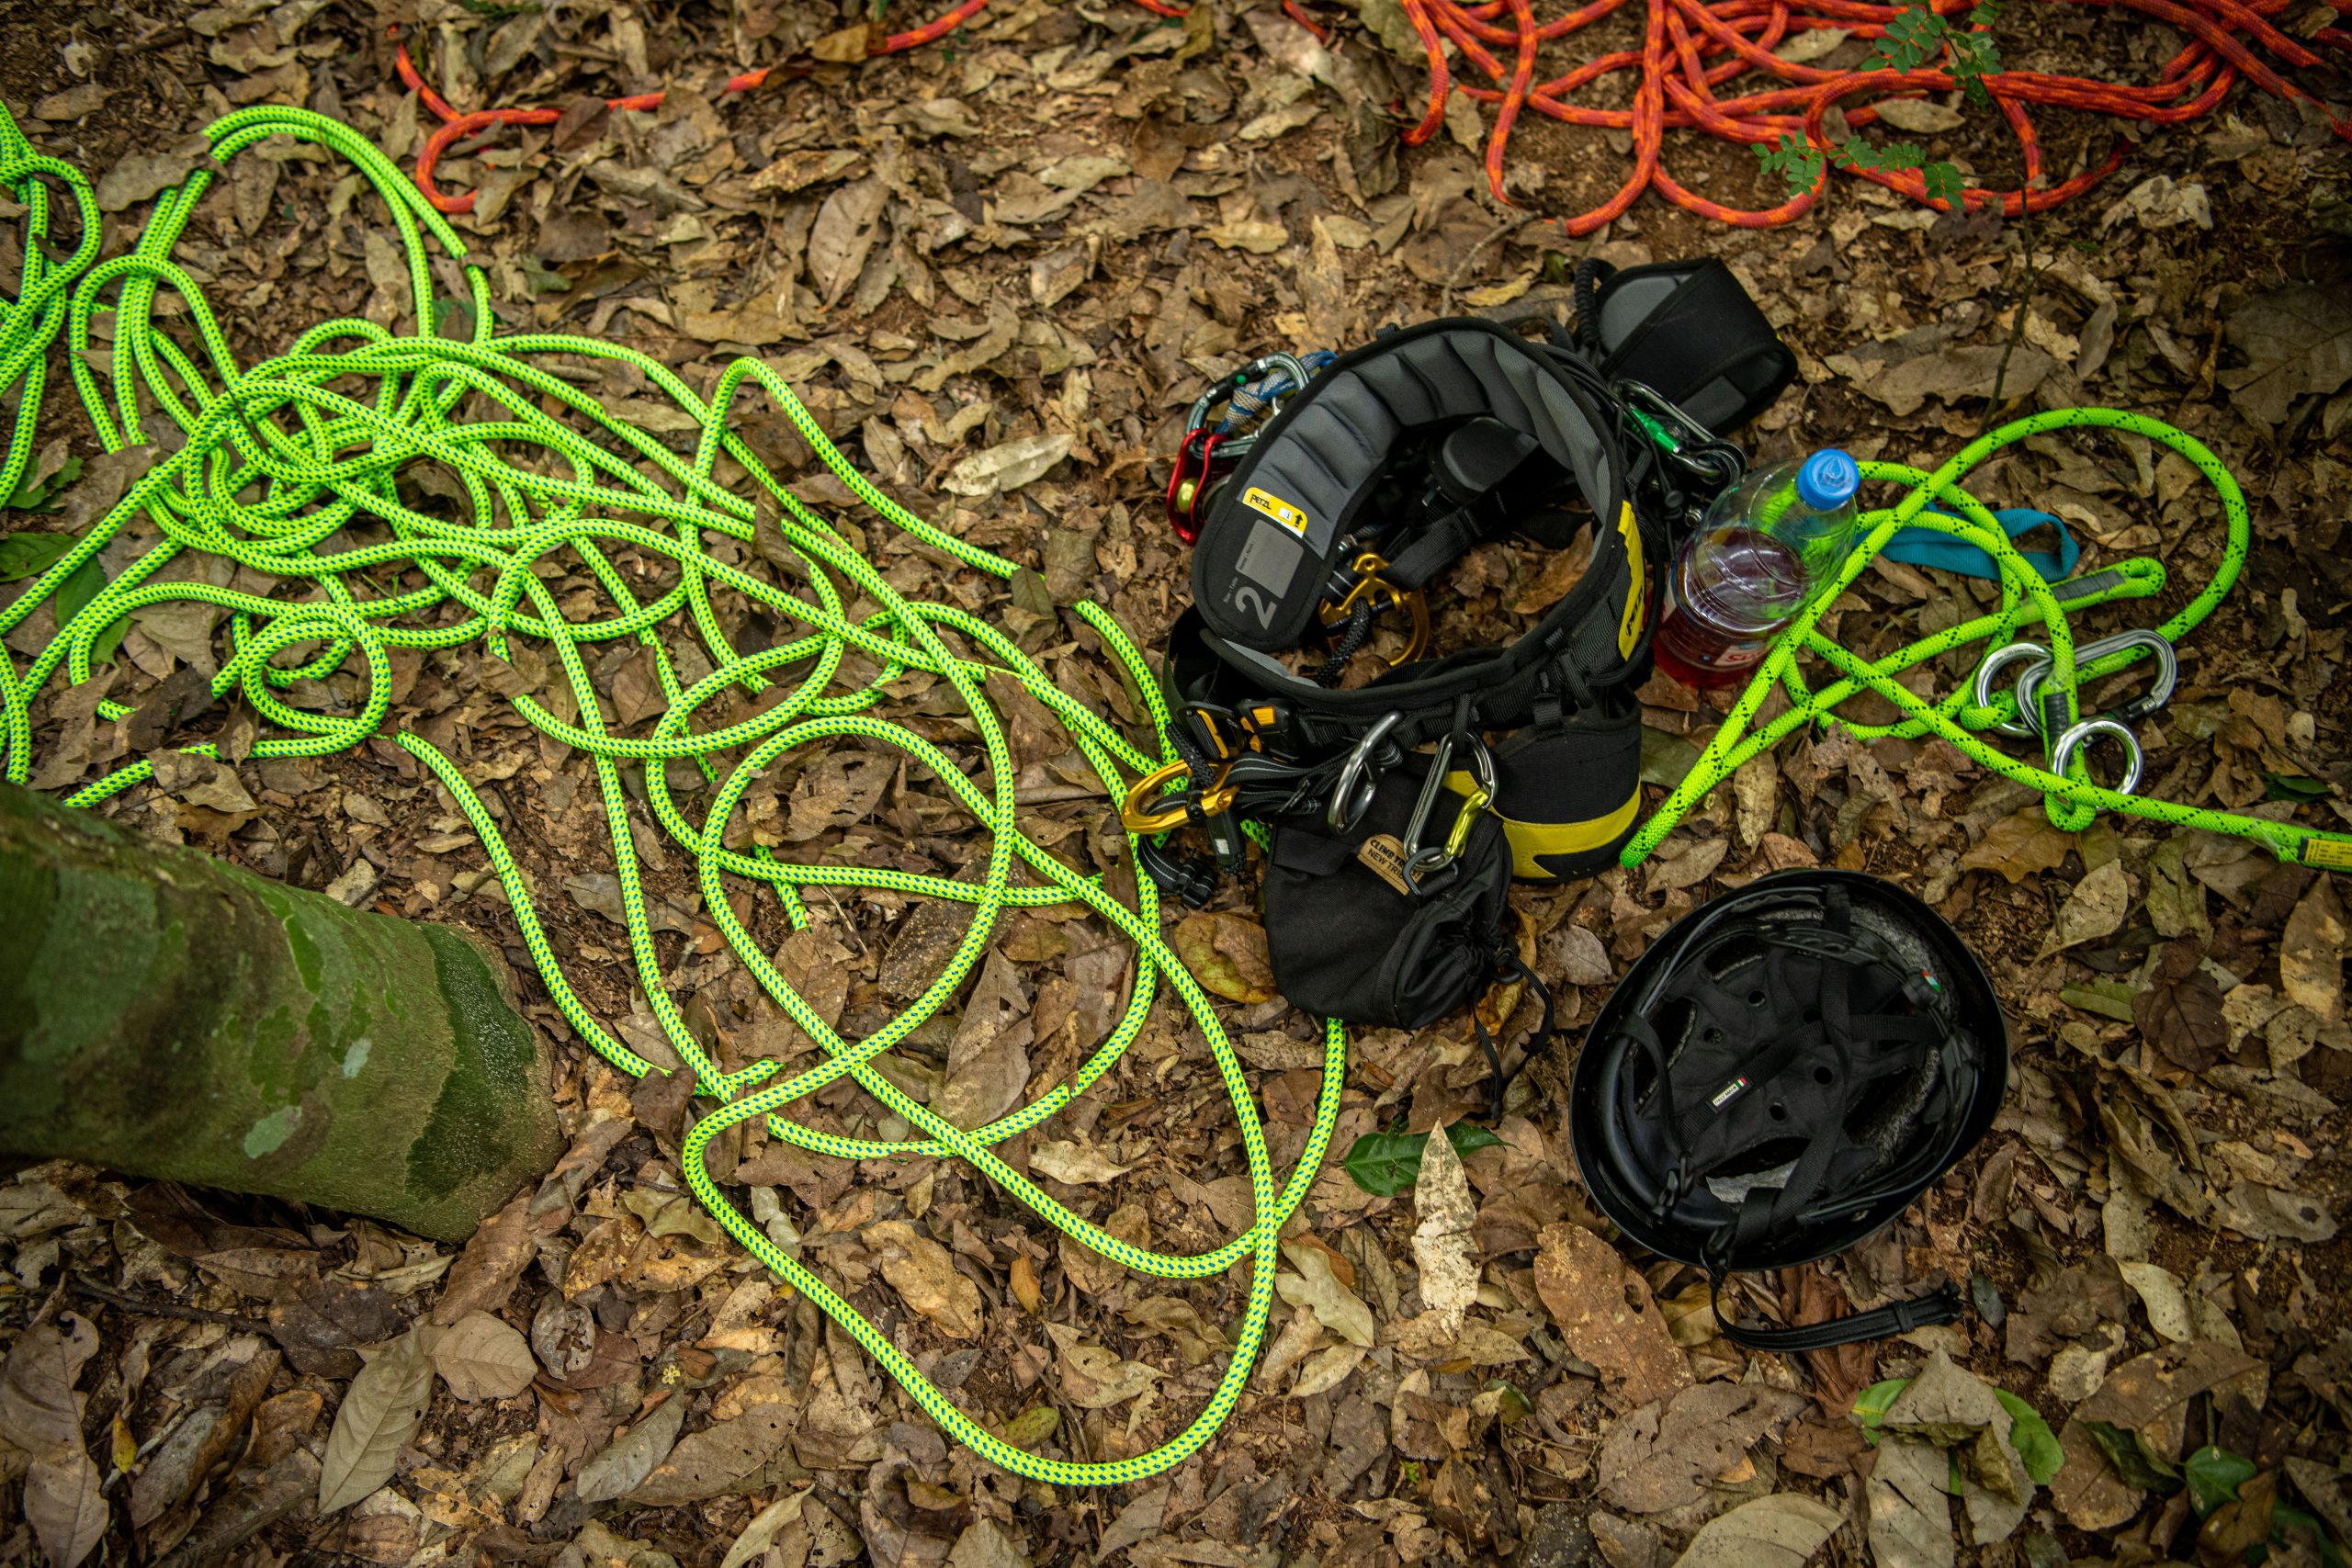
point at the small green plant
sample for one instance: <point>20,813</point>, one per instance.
<point>1912,39</point>
<point>1916,35</point>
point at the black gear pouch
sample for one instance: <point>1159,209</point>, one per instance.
<point>1346,943</point>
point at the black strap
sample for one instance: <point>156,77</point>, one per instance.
<point>1435,547</point>
<point>1510,967</point>
<point>1942,1305</point>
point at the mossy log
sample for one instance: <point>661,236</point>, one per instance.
<point>165,1014</point>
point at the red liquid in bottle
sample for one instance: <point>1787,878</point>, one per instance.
<point>1731,590</point>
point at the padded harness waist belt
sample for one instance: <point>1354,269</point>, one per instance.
<point>1298,509</point>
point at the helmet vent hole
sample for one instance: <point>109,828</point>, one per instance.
<point>1822,1074</point>
<point>1714,1036</point>
<point>1756,998</point>
<point>1780,1112</point>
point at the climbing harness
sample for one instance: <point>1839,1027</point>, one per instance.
<point>2051,672</point>
<point>1692,49</point>
<point>1333,517</point>
<point>1780,1075</point>
<point>1362,487</point>
<point>292,470</point>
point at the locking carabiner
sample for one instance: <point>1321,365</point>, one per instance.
<point>2040,663</point>
<point>1149,809</point>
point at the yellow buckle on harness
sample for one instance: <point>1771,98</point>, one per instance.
<point>1147,811</point>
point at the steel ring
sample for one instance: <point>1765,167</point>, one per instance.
<point>2090,729</point>
<point>1994,662</point>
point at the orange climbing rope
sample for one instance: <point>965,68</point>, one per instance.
<point>458,126</point>
<point>1692,48</point>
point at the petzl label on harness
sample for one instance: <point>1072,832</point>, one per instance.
<point>1637,592</point>
<point>1384,855</point>
<point>1291,517</point>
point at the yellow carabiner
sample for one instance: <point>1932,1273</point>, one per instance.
<point>1148,809</point>
<point>1473,803</point>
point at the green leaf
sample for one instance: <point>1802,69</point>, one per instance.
<point>2036,1444</point>
<point>1895,157</point>
<point>1911,39</point>
<point>2214,1475</point>
<point>1796,159</point>
<point>2282,786</point>
<point>1385,1163</point>
<point>40,495</point>
<point>2284,1518</point>
<point>29,554</point>
<point>1870,1405</point>
<point>1943,183</point>
<point>2134,1460</point>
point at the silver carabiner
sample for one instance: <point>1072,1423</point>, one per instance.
<point>2158,694</point>
<point>2091,729</point>
<point>1994,662</point>
<point>1289,365</point>
<point>1353,791</point>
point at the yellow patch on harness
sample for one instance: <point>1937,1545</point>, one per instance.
<point>1637,587</point>
<point>1291,517</point>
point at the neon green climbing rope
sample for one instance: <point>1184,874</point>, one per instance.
<point>2072,799</point>
<point>286,465</point>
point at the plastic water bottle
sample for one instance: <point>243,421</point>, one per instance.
<point>1768,546</point>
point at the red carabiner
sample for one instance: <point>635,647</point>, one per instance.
<point>1186,484</point>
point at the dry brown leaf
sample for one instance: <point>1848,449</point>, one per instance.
<point>482,1357</point>
<point>924,1272</point>
<point>2310,953</point>
<point>378,1415</point>
<point>625,1463</point>
<point>1662,1457</point>
<point>1338,1309</point>
<point>2096,908</point>
<point>1006,467</point>
<point>1444,1246</point>
<point>1779,1531</point>
<point>1226,954</point>
<point>1604,1312</point>
<point>42,1413</point>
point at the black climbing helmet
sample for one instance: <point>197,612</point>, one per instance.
<point>1779,1076</point>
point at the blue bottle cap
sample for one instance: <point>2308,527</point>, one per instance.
<point>1827,480</point>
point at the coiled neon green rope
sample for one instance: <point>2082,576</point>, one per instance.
<point>281,458</point>
<point>2073,799</point>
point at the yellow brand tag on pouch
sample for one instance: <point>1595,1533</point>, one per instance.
<point>1384,855</point>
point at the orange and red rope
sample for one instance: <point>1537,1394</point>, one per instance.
<point>1692,48</point>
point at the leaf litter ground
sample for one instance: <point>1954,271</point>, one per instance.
<point>1002,266</point>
